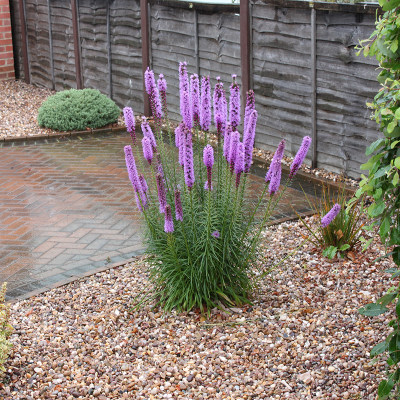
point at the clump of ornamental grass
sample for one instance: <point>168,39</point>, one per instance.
<point>202,236</point>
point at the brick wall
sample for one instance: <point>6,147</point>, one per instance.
<point>6,48</point>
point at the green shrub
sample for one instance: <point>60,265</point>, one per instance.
<point>77,110</point>
<point>5,329</point>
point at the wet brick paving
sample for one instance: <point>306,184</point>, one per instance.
<point>67,208</point>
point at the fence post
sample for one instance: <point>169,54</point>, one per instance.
<point>245,47</point>
<point>144,15</point>
<point>314,88</point>
<point>77,53</point>
<point>53,84</point>
<point>22,18</point>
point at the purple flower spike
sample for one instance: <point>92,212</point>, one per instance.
<point>168,224</point>
<point>277,157</point>
<point>149,81</point>
<point>143,183</point>
<point>162,196</point>
<point>205,104</point>
<point>148,132</point>
<point>220,113</point>
<point>130,122</point>
<point>131,167</point>
<point>147,149</point>
<point>233,147</point>
<point>152,91</point>
<point>188,168</point>
<point>248,140</point>
<point>185,110</point>
<point>178,206</point>
<point>300,156</point>
<point>216,234</point>
<point>208,156</point>
<point>162,84</point>
<point>330,216</point>
<point>276,173</point>
<point>239,163</point>
<point>234,104</point>
<point>183,84</point>
<point>227,139</point>
<point>250,107</point>
<point>195,99</point>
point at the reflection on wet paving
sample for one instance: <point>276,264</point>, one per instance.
<point>67,207</point>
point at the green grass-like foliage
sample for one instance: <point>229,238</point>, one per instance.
<point>5,329</point>
<point>77,110</point>
<point>345,231</point>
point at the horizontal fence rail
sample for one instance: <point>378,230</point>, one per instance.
<point>299,58</point>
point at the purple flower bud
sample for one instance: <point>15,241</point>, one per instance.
<point>149,81</point>
<point>152,90</point>
<point>162,84</point>
<point>188,168</point>
<point>178,206</point>
<point>248,140</point>
<point>185,110</point>
<point>168,224</point>
<point>205,106</point>
<point>162,196</point>
<point>233,147</point>
<point>227,141</point>
<point>147,149</point>
<point>208,156</point>
<point>220,112</point>
<point>277,157</point>
<point>276,173</point>
<point>216,234</point>
<point>183,85</point>
<point>195,99</point>
<point>130,122</point>
<point>148,132</point>
<point>250,107</point>
<point>234,104</point>
<point>131,167</point>
<point>330,216</point>
<point>300,156</point>
<point>143,183</point>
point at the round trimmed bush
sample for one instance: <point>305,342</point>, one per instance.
<point>77,110</point>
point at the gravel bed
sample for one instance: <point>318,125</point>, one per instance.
<point>302,338</point>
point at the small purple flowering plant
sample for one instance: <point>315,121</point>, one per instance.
<point>201,232</point>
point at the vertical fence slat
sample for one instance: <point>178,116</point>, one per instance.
<point>196,41</point>
<point>144,11</point>
<point>245,47</point>
<point>75,29</point>
<point>22,16</point>
<point>51,45</point>
<point>314,87</point>
<point>109,59</point>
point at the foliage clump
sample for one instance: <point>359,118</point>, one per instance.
<point>5,329</point>
<point>77,110</point>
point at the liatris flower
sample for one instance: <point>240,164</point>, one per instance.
<point>208,159</point>
<point>233,147</point>
<point>330,216</point>
<point>220,112</point>
<point>152,90</point>
<point>188,168</point>
<point>234,104</point>
<point>250,107</point>
<point>239,163</point>
<point>130,122</point>
<point>178,206</point>
<point>162,196</point>
<point>185,110</point>
<point>216,234</point>
<point>205,103</point>
<point>143,183</point>
<point>248,140</point>
<point>206,186</point>
<point>227,139</point>
<point>131,167</point>
<point>159,165</point>
<point>148,132</point>
<point>183,84</point>
<point>195,99</point>
<point>147,149</point>
<point>277,157</point>
<point>300,156</point>
<point>162,88</point>
<point>168,224</point>
<point>276,173</point>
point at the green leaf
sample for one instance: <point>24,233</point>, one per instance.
<point>384,228</point>
<point>398,309</point>
<point>387,298</point>
<point>394,348</point>
<point>384,388</point>
<point>372,310</point>
<point>396,255</point>
<point>393,145</point>
<point>330,252</point>
<point>397,162</point>
<point>378,349</point>
<point>375,145</point>
<point>394,46</point>
<point>391,126</point>
<point>394,237</point>
<point>371,162</point>
<point>388,4</point>
<point>344,247</point>
<point>378,194</point>
<point>376,209</point>
<point>382,171</point>
<point>395,179</point>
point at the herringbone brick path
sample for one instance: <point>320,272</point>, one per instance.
<point>67,208</point>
